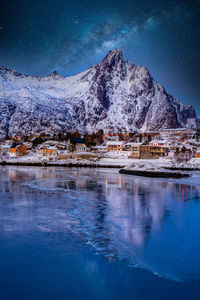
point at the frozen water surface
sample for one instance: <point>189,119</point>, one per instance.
<point>74,233</point>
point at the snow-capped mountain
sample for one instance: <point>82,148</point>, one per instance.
<point>111,95</point>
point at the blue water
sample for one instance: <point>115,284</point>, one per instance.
<point>96,234</point>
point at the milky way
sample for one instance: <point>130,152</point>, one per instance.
<point>40,36</point>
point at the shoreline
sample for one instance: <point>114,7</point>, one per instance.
<point>54,164</point>
<point>181,169</point>
<point>176,172</point>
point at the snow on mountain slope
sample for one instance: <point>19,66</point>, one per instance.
<point>111,95</point>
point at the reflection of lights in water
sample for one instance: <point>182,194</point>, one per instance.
<point>12,175</point>
<point>182,187</point>
<point>136,190</point>
<point>123,183</point>
<point>120,183</point>
<point>106,183</point>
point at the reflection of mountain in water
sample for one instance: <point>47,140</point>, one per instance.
<point>118,215</point>
<point>129,207</point>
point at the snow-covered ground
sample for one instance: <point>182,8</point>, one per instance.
<point>31,157</point>
<point>192,163</point>
<point>113,158</point>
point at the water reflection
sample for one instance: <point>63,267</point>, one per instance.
<point>121,217</point>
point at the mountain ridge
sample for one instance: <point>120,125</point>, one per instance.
<point>111,95</point>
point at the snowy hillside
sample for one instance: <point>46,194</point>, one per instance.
<point>110,95</point>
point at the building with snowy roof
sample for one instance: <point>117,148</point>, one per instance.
<point>115,145</point>
<point>18,149</point>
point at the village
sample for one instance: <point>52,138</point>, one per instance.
<point>180,144</point>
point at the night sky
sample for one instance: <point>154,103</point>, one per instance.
<point>40,36</point>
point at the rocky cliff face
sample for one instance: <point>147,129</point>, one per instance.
<point>111,95</point>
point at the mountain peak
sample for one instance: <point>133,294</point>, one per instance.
<point>114,55</point>
<point>115,52</point>
<point>54,74</point>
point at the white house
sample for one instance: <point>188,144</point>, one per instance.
<point>101,149</point>
<point>115,145</point>
<point>45,152</point>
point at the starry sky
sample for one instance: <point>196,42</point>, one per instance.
<point>40,36</point>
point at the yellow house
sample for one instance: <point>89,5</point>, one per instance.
<point>115,145</point>
<point>52,153</point>
<point>47,152</point>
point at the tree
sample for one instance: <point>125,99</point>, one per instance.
<point>99,136</point>
<point>67,136</point>
<point>26,138</point>
<point>131,134</point>
<point>184,149</point>
<point>37,141</point>
<point>60,136</point>
<point>197,134</point>
<point>149,138</point>
<point>76,134</point>
<point>177,152</point>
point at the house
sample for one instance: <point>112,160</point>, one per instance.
<point>111,137</point>
<point>116,136</point>
<point>41,151</point>
<point>79,143</point>
<point>148,151</point>
<point>152,133</point>
<point>128,146</point>
<point>100,149</point>
<point>149,135</point>
<point>18,149</point>
<point>17,139</point>
<point>29,145</point>
<point>57,144</point>
<point>197,154</point>
<point>81,147</point>
<point>115,145</point>
<point>8,142</point>
<point>4,150</point>
<point>177,132</point>
<point>46,152</point>
<point>48,135</point>
<point>159,143</point>
<point>135,150</point>
<point>52,153</point>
